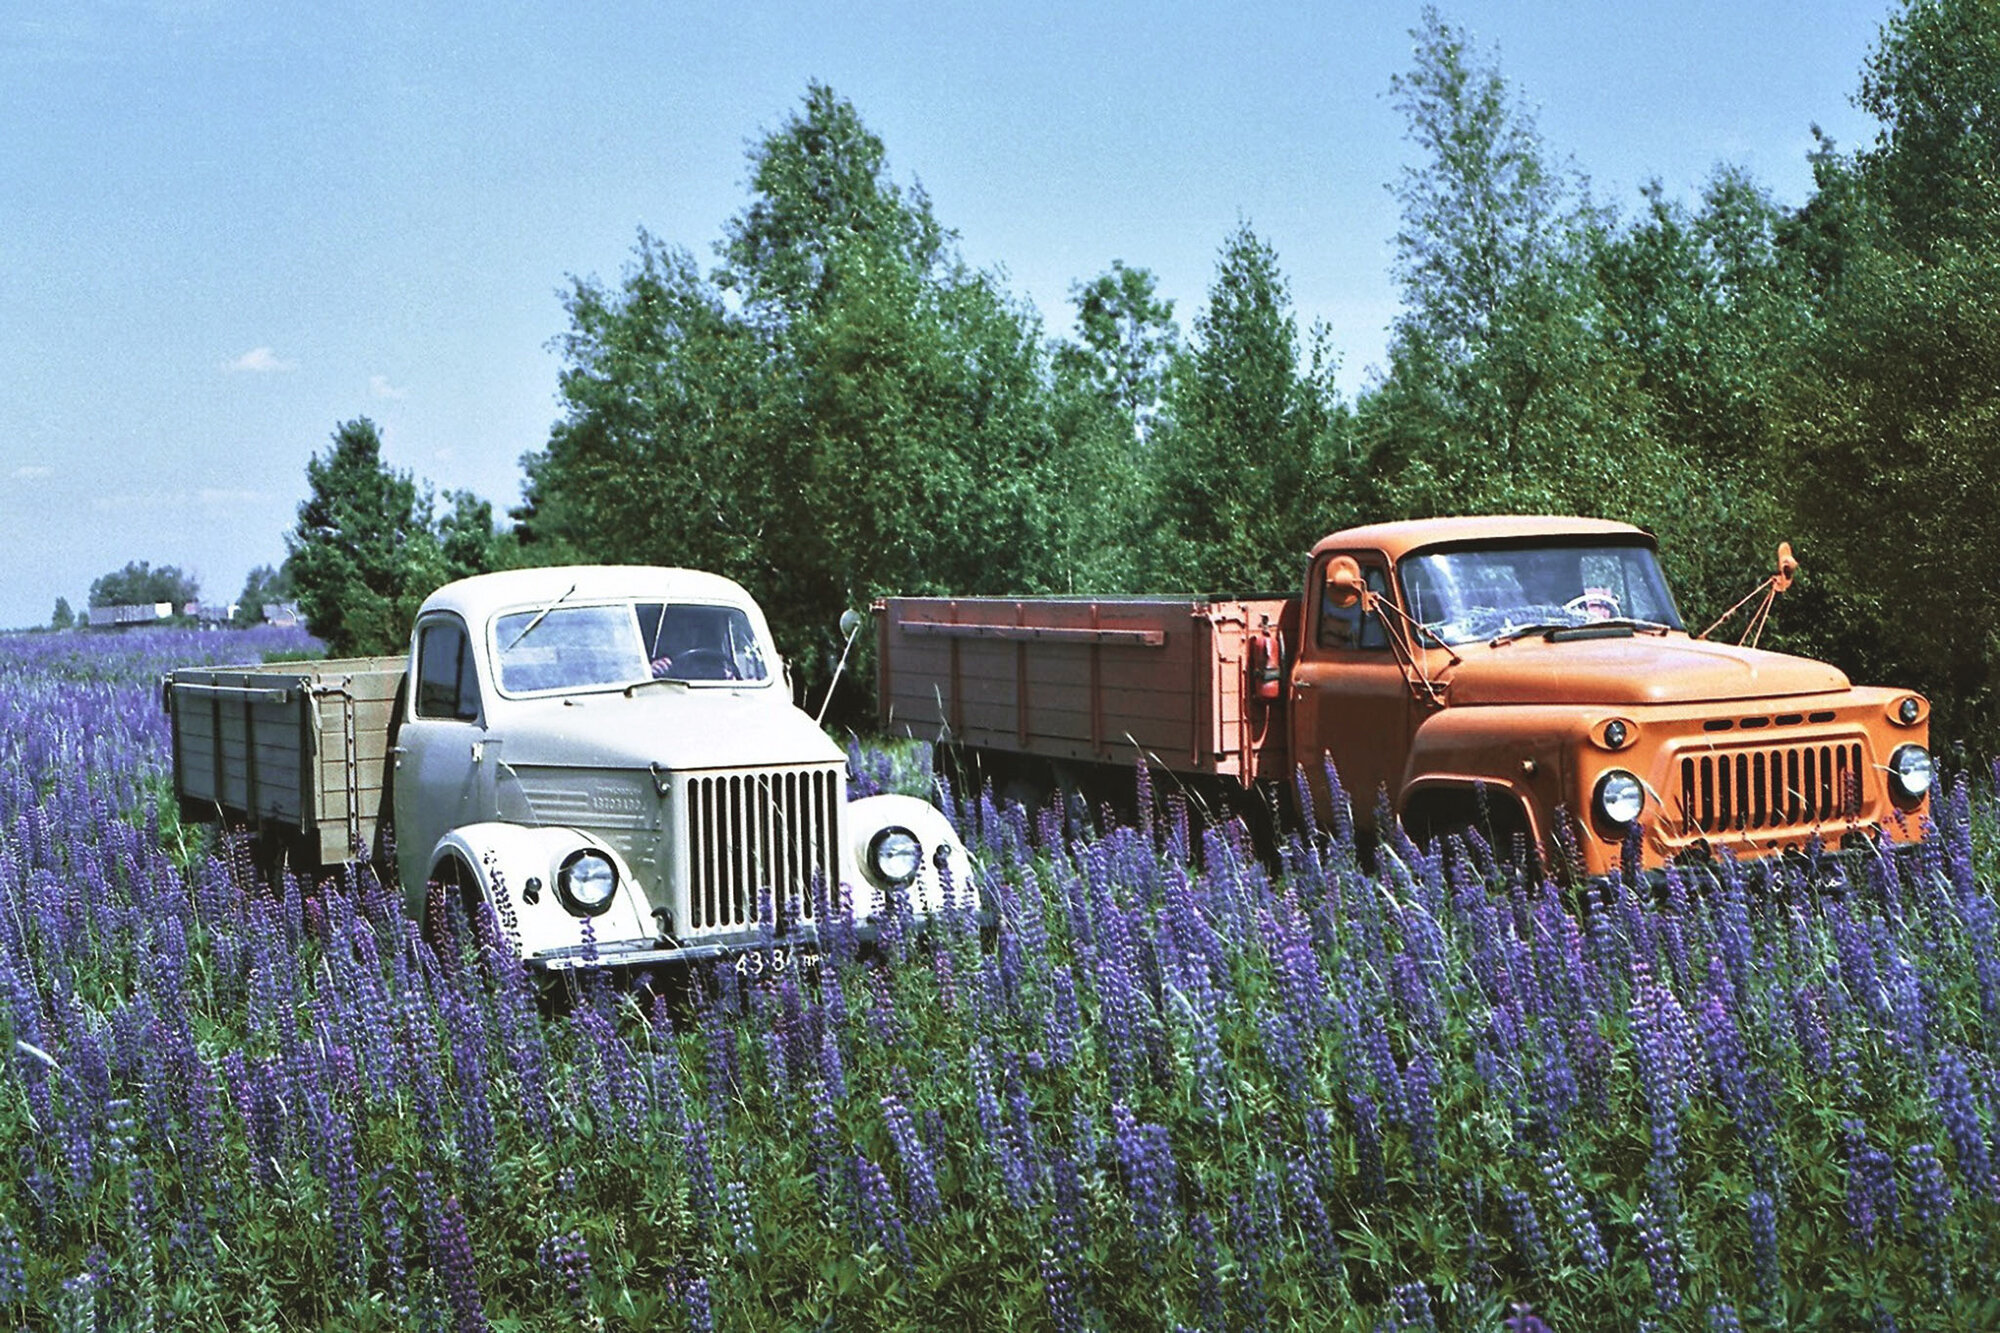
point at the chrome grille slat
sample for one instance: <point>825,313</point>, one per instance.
<point>1772,787</point>
<point>756,842</point>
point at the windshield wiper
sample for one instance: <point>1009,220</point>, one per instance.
<point>1523,631</point>
<point>540,616</point>
<point>1584,629</point>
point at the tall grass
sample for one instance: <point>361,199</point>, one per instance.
<point>1176,1089</point>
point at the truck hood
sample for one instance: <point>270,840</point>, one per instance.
<point>678,729</point>
<point>1643,669</point>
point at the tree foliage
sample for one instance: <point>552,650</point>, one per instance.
<point>841,409</point>
<point>64,618</point>
<point>368,547</point>
<point>261,587</point>
<point>140,584</point>
<point>1240,467</point>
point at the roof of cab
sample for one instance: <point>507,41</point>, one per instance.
<point>1396,540</point>
<point>483,594</point>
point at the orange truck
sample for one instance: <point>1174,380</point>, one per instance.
<point>1527,676</point>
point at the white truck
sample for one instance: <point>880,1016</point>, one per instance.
<point>611,745</point>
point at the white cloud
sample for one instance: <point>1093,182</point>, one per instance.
<point>217,498</point>
<point>33,472</point>
<point>379,386</point>
<point>259,361</point>
<point>121,502</point>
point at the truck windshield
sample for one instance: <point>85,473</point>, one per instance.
<point>597,647</point>
<point>1480,593</point>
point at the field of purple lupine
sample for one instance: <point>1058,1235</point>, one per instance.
<point>1179,1088</point>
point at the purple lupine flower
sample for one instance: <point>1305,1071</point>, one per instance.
<point>1763,1210</point>
<point>1957,1108</point>
<point>876,1217</point>
<point>79,1304</point>
<point>1368,1145</point>
<point>1871,1188</point>
<point>742,1226</point>
<point>919,1175</point>
<point>1254,1225</point>
<point>1931,1205</point>
<point>13,1271</point>
<point>1413,1307</point>
<point>1420,1083</point>
<point>1529,1241</point>
<point>1146,1165</point>
<point>566,1258</point>
<point>1309,1206</point>
<point>1064,1018</point>
<point>398,1277</point>
<point>1722,1318</point>
<point>826,1148</point>
<point>451,1251</point>
<point>1523,1319</point>
<point>1661,1266</point>
<point>697,1304</point>
<point>702,1193</point>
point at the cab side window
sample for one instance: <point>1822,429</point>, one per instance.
<point>447,685</point>
<point>1345,626</point>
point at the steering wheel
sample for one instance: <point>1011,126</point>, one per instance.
<point>704,664</point>
<point>1592,604</point>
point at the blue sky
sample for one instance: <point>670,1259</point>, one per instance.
<point>225,228</point>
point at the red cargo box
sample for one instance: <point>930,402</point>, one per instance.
<point>1102,679</point>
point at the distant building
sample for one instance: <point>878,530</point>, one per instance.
<point>119,617</point>
<point>210,613</point>
<point>282,614</point>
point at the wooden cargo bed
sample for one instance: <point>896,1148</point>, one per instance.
<point>1100,680</point>
<point>293,747</point>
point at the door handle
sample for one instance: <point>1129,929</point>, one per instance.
<point>1302,685</point>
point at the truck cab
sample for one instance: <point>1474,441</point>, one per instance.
<point>1533,676</point>
<point>619,745</point>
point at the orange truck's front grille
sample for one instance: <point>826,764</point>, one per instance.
<point>1776,787</point>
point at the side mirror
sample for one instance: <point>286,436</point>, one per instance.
<point>1344,585</point>
<point>1788,567</point>
<point>850,621</point>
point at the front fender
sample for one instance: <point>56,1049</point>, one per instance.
<point>944,859</point>
<point>517,868</point>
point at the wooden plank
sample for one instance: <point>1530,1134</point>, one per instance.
<point>1150,638</point>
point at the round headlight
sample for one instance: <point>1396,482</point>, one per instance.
<point>1910,770</point>
<point>1906,711</point>
<point>1620,797</point>
<point>1614,734</point>
<point>895,855</point>
<point>587,882</point>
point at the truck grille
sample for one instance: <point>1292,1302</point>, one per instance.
<point>755,840</point>
<point>1792,785</point>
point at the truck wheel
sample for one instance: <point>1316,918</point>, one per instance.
<point>1494,815</point>
<point>451,907</point>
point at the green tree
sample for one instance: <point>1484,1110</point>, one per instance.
<point>263,585</point>
<point>1126,340</point>
<point>1502,391</point>
<point>1706,307</point>
<point>140,584</point>
<point>1891,449</point>
<point>366,549</point>
<point>1240,463</point>
<point>841,409</point>
<point>64,618</point>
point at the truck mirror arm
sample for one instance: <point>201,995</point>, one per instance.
<point>1402,633</point>
<point>1788,569</point>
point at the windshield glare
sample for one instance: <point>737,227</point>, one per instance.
<point>597,647</point>
<point>1462,596</point>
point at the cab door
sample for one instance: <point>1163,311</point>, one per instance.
<point>443,759</point>
<point>1350,698</point>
